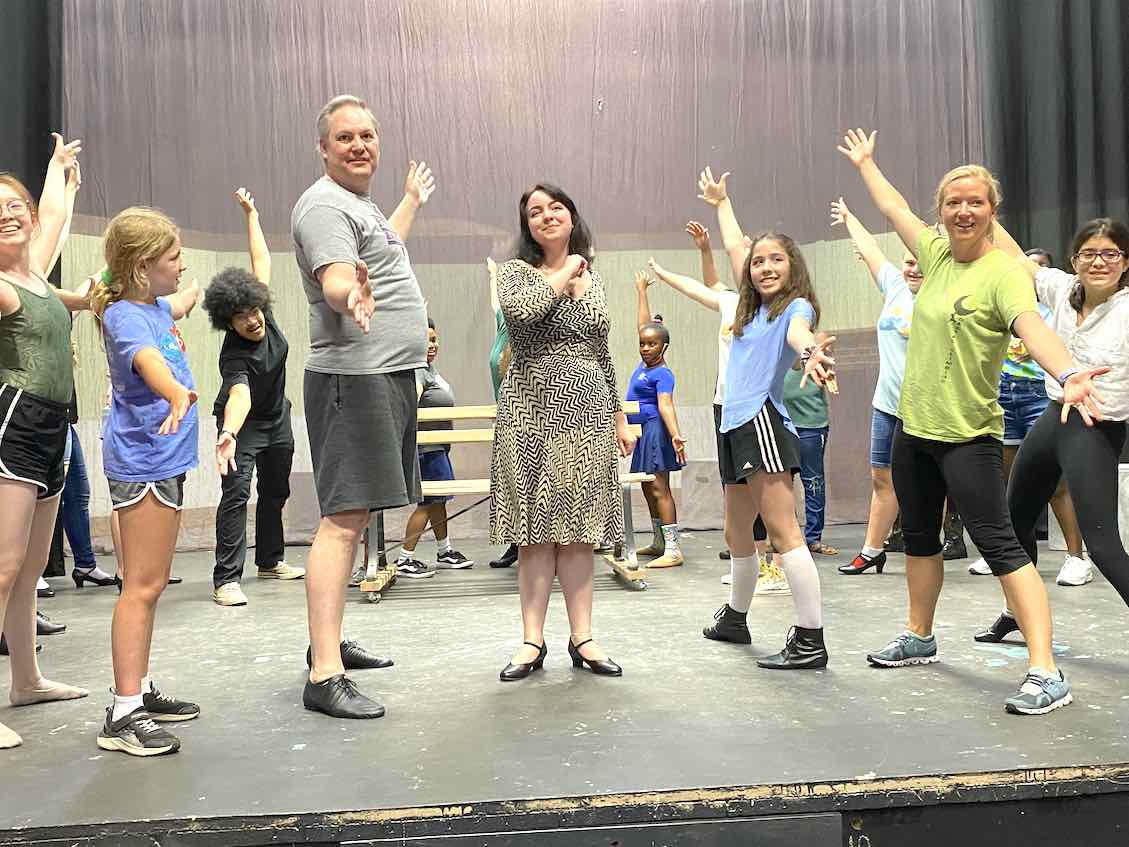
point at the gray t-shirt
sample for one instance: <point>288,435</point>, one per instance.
<point>332,224</point>
<point>434,392</point>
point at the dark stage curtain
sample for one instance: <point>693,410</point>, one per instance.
<point>1055,75</point>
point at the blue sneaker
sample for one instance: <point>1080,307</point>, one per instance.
<point>906,649</point>
<point>1039,694</point>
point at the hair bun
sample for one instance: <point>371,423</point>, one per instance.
<point>657,319</point>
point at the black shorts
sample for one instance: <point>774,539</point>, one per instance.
<point>362,431</point>
<point>169,491</point>
<point>33,440</point>
<point>971,473</point>
<point>762,444</point>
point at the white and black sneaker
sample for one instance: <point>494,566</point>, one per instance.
<point>167,709</point>
<point>137,734</point>
<point>413,569</point>
<point>453,560</point>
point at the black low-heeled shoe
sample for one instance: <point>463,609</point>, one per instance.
<point>860,564</point>
<point>354,657</point>
<point>600,667</point>
<point>81,578</point>
<point>998,630</point>
<point>513,672</point>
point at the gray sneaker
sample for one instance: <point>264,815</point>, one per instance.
<point>413,569</point>
<point>906,649</point>
<point>1040,694</point>
<point>136,734</point>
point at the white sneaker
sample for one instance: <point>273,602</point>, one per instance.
<point>1075,571</point>
<point>980,568</point>
<point>282,571</point>
<point>230,594</point>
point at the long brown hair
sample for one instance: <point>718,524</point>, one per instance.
<point>799,284</point>
<point>1112,229</point>
<point>135,235</point>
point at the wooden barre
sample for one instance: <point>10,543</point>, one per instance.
<point>466,413</point>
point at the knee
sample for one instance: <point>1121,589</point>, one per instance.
<point>145,589</point>
<point>921,543</point>
<point>346,527</point>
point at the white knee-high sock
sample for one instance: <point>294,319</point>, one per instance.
<point>744,571</point>
<point>803,579</point>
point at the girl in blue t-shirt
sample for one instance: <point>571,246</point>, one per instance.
<point>759,449</point>
<point>149,442</point>
<point>661,447</point>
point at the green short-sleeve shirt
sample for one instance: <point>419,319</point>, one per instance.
<point>962,319</point>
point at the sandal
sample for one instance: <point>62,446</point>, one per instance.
<point>823,549</point>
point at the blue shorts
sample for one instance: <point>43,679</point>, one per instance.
<point>881,438</point>
<point>435,466</point>
<point>1023,401</point>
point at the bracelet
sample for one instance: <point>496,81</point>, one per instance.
<point>224,432</point>
<point>805,356</point>
<point>1067,374</point>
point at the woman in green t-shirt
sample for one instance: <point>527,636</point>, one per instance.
<point>948,438</point>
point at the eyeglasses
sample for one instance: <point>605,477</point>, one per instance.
<point>1108,256</point>
<point>14,207</point>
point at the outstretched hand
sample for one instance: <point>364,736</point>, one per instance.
<point>839,212</point>
<point>178,408</point>
<point>818,363</point>
<point>713,190</point>
<point>1079,393</point>
<point>420,184</point>
<point>642,281</point>
<point>361,304</point>
<point>74,178</point>
<point>245,200</point>
<point>699,233</point>
<point>66,153</point>
<point>858,146</point>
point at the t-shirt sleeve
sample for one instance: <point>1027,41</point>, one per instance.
<point>931,248</point>
<point>127,333</point>
<point>801,308</point>
<point>889,279</point>
<point>1014,295</point>
<point>1052,285</point>
<point>664,381</point>
<point>326,235</point>
<point>234,370</point>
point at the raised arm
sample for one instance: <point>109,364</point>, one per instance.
<point>53,203</point>
<point>152,368</point>
<point>256,241</point>
<point>1003,239</point>
<point>716,194</point>
<point>688,286</point>
<point>418,187</point>
<point>864,242</point>
<point>701,237</point>
<point>74,182</point>
<point>644,314</point>
<point>183,302</point>
<point>859,148</point>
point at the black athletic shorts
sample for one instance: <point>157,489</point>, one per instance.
<point>761,444</point>
<point>33,440</point>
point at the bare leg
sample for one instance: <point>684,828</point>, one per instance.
<point>883,507</point>
<point>116,538</point>
<point>773,493</point>
<point>574,571</point>
<point>437,512</point>
<point>537,565</point>
<point>148,536</point>
<point>649,496</point>
<point>327,574</point>
<point>664,501</point>
<point>417,524</point>
<point>924,577</point>
<point>1027,598</point>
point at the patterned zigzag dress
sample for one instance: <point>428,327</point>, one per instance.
<point>554,474</point>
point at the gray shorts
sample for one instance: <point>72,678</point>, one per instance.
<point>169,491</point>
<point>362,431</point>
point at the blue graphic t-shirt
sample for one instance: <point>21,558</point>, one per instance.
<point>758,361</point>
<point>1019,364</point>
<point>893,338</point>
<point>645,386</point>
<point>132,451</point>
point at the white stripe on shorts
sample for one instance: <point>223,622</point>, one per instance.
<point>770,454</point>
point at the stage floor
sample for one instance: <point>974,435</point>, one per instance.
<point>687,714</point>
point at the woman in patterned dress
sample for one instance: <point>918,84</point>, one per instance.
<point>554,475</point>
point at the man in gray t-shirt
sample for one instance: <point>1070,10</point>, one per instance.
<point>368,335</point>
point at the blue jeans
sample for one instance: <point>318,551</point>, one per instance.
<point>1023,402</point>
<point>75,506</point>
<point>812,443</point>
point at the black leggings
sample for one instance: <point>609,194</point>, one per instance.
<point>1088,457</point>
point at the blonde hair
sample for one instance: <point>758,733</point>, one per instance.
<point>13,182</point>
<point>995,196</point>
<point>134,236</point>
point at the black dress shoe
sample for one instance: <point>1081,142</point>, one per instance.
<point>45,626</point>
<point>81,577</point>
<point>513,672</point>
<point>506,559</point>
<point>731,626</point>
<point>600,667</point>
<point>338,697</point>
<point>1001,628</point>
<point>860,564</point>
<point>45,592</point>
<point>4,646</point>
<point>175,580</point>
<point>354,657</point>
<point>803,650</point>
<point>725,555</point>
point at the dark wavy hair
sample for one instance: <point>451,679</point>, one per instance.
<point>232,292</point>
<point>799,284</point>
<point>1112,229</point>
<point>580,242</point>
<point>1035,252</point>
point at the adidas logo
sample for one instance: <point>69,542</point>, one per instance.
<point>747,466</point>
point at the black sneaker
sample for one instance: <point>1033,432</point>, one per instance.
<point>507,559</point>
<point>453,560</point>
<point>338,697</point>
<point>354,657</point>
<point>730,626</point>
<point>136,734</point>
<point>413,569</point>
<point>725,555</point>
<point>954,548</point>
<point>167,709</point>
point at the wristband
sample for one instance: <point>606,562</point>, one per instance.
<point>1067,374</point>
<point>224,432</point>
<point>805,356</point>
